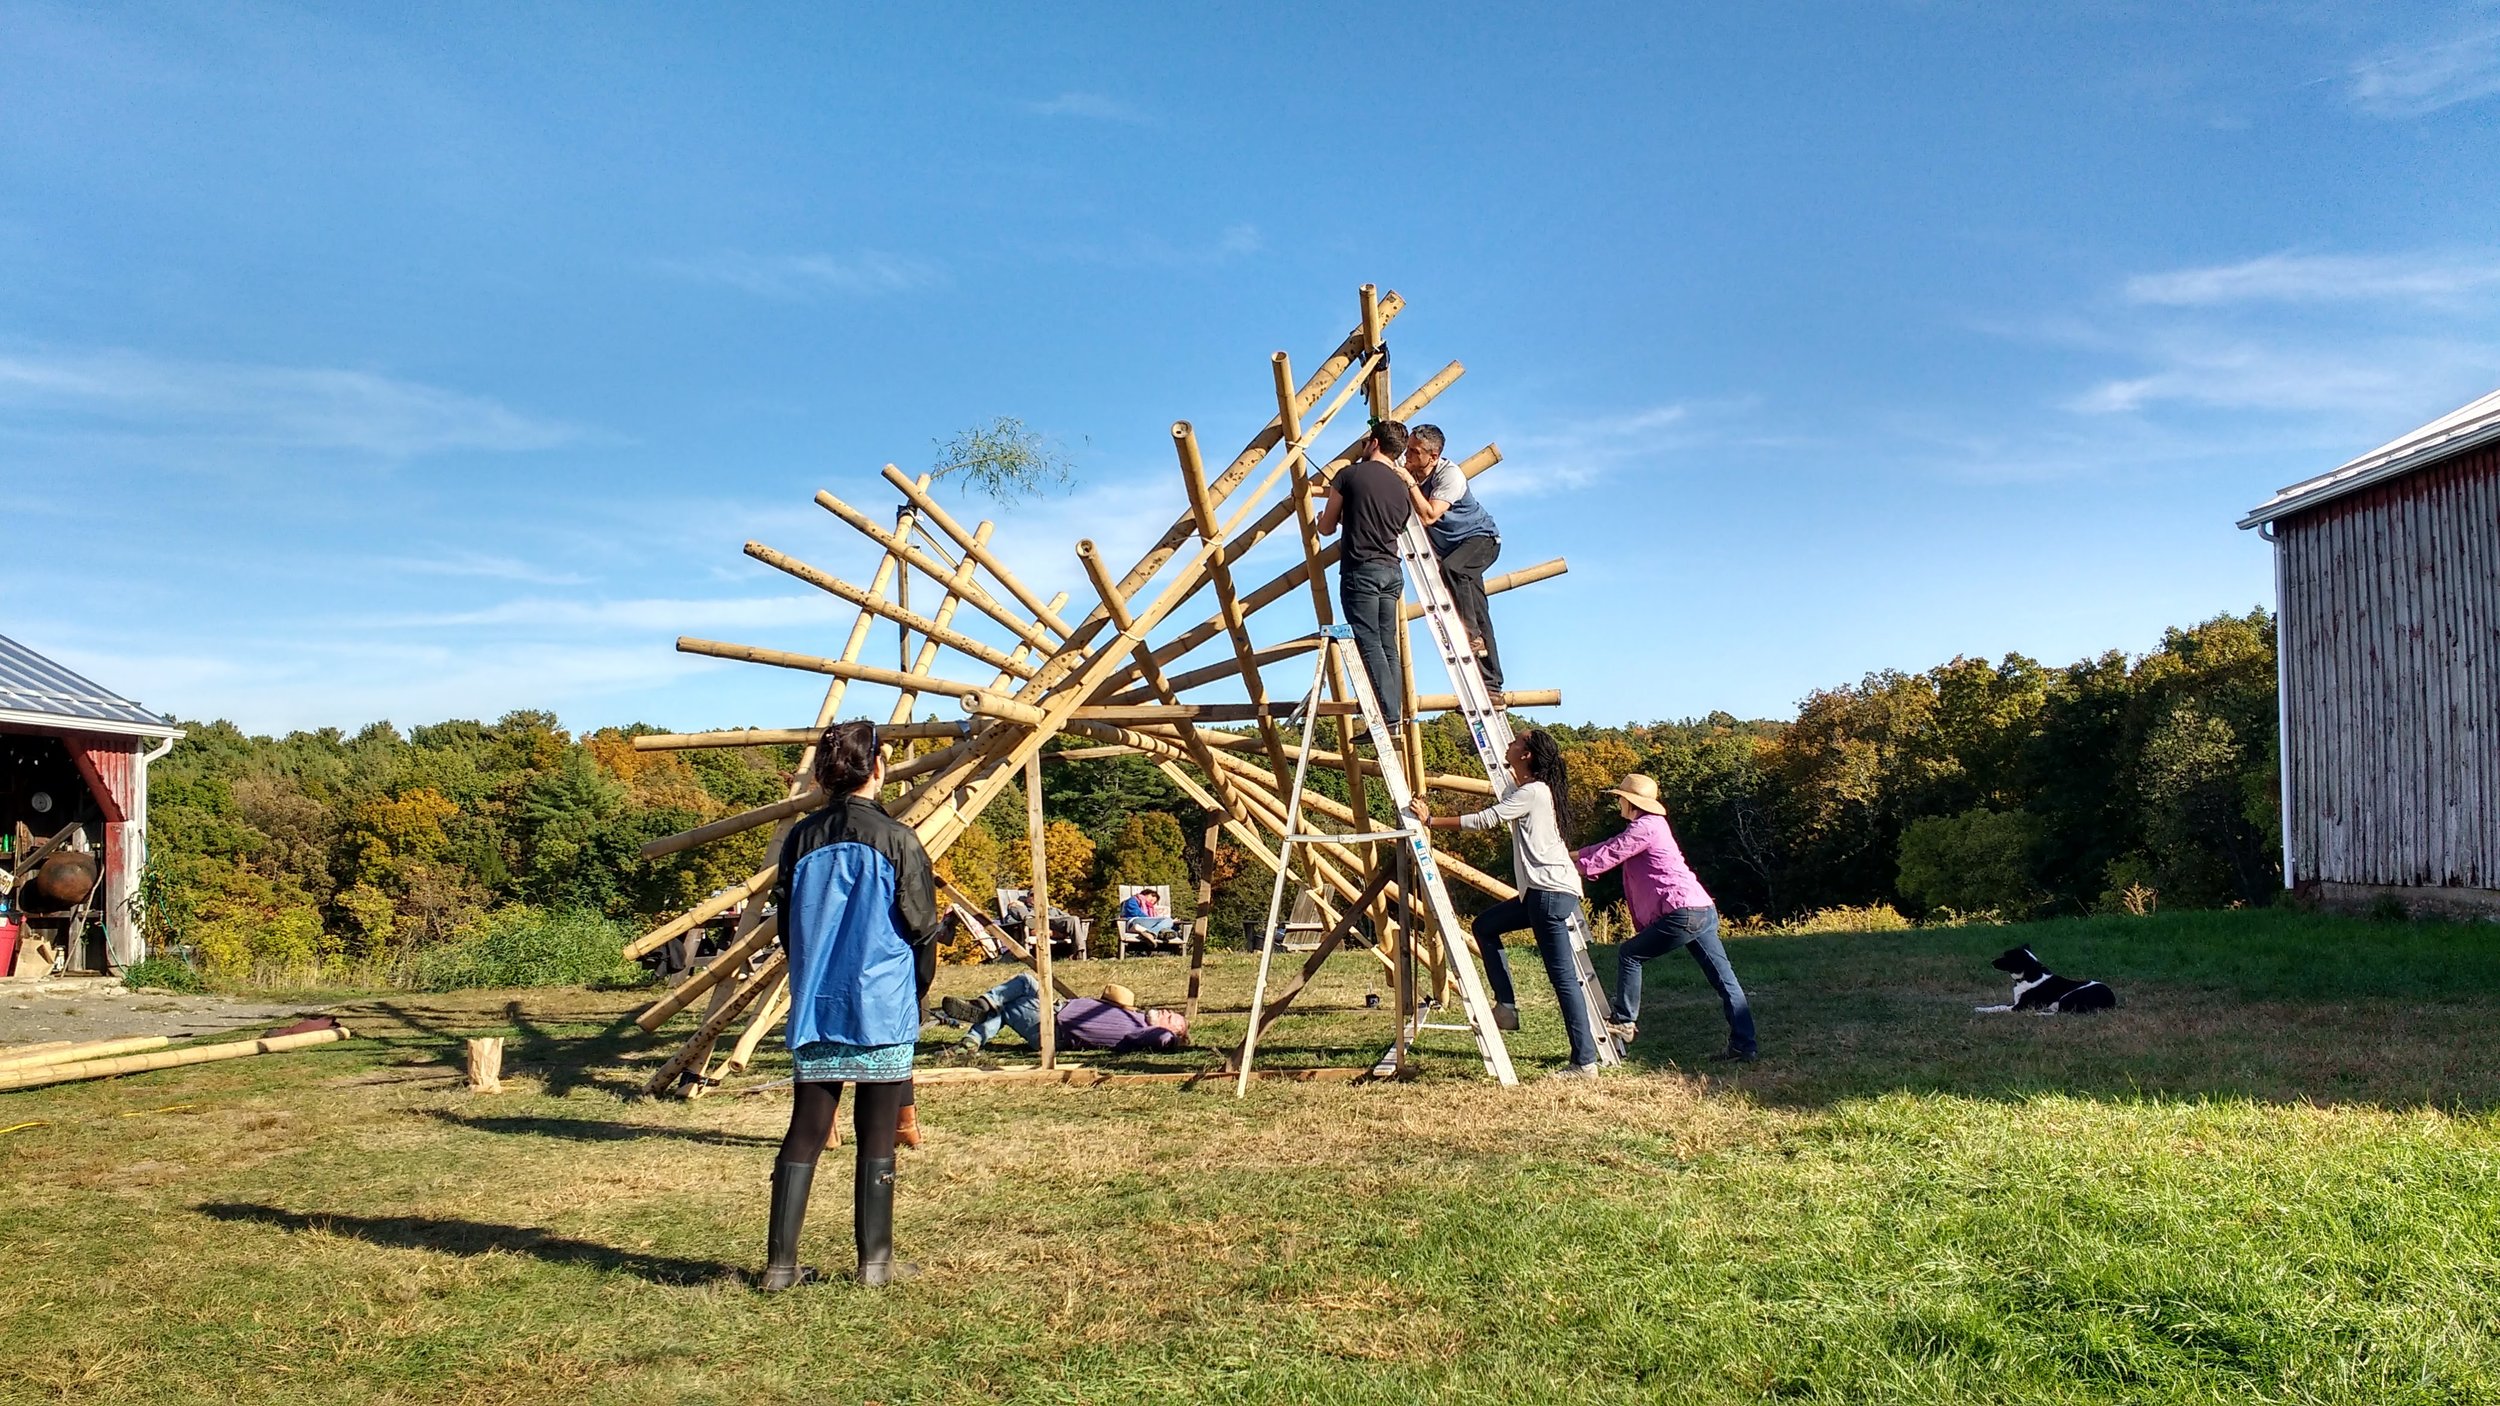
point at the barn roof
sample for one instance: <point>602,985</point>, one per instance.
<point>2453,433</point>
<point>36,691</point>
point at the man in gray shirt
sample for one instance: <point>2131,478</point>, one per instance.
<point>1464,535</point>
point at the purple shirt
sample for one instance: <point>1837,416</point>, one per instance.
<point>1089,1023</point>
<point>1656,880</point>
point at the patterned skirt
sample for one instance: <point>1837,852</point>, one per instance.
<point>833,1062</point>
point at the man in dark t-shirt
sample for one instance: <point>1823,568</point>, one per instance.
<point>1373,500</point>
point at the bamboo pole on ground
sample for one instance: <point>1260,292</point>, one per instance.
<point>1037,924</point>
<point>36,1076</point>
<point>698,1048</point>
<point>66,1052</point>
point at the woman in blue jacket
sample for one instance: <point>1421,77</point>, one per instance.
<point>859,922</point>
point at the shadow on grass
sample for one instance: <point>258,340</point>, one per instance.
<point>464,1237</point>
<point>590,1130</point>
<point>564,1062</point>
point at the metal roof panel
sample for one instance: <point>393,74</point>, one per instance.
<point>35,688</point>
<point>2466,427</point>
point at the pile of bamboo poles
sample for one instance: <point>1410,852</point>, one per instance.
<point>59,1062</point>
<point>1107,675</point>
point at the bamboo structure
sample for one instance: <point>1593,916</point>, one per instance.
<point>1031,675</point>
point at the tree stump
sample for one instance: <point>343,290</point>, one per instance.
<point>486,1066</point>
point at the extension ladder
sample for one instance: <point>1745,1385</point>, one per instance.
<point>1489,728</point>
<point>1337,643</point>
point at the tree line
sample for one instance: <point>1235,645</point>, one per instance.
<point>2007,788</point>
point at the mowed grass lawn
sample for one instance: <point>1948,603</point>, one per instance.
<point>2273,1176</point>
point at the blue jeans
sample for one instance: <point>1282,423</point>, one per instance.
<point>1696,929</point>
<point>1369,593</point>
<point>1019,1003</point>
<point>1548,913</point>
<point>1159,927</point>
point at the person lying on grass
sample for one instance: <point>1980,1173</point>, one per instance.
<point>1110,1022</point>
<point>1549,889</point>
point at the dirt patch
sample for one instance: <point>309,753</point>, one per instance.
<point>101,1008</point>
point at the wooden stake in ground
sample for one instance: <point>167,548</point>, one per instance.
<point>1037,905</point>
<point>486,1065</point>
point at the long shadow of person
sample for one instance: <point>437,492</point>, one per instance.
<point>594,1130</point>
<point>465,1237</point>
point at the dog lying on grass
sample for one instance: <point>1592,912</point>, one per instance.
<point>2043,992</point>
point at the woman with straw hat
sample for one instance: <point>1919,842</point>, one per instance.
<point>1670,908</point>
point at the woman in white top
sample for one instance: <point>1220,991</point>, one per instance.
<point>1549,888</point>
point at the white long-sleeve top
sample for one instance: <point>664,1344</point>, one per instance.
<point>1538,857</point>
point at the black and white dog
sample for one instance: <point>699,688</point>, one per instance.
<point>2041,991</point>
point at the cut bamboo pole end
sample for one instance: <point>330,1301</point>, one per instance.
<point>486,1065</point>
<point>994,705</point>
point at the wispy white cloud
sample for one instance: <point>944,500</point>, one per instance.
<point>866,274</point>
<point>2428,277</point>
<point>1140,250</point>
<point>126,395</point>
<point>2419,79</point>
<point>1567,455</point>
<point>1097,107</point>
<point>484,566</point>
<point>2378,375</point>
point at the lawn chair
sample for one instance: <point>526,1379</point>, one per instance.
<point>1011,899</point>
<point>1131,930</point>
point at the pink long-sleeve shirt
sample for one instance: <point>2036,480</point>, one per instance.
<point>1656,879</point>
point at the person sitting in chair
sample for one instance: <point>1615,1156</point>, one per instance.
<point>1018,916</point>
<point>1110,1022</point>
<point>1138,914</point>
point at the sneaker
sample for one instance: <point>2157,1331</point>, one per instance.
<point>1736,1056</point>
<point>963,1011</point>
<point>1574,1073</point>
<point>965,1053</point>
<point>1505,1016</point>
<point>1622,1030</point>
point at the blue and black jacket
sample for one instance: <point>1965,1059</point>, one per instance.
<point>859,919</point>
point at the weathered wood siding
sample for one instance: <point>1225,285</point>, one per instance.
<point>2390,633</point>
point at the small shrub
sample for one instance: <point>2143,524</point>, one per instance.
<point>2388,908</point>
<point>1875,917</point>
<point>164,974</point>
<point>524,946</point>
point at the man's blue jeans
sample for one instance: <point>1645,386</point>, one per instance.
<point>1698,930</point>
<point>1369,592</point>
<point>1019,1003</point>
<point>1549,914</point>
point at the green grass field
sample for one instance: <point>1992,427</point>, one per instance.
<point>2273,1176</point>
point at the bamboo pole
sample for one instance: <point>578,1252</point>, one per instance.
<point>987,704</point>
<point>977,598</point>
<point>37,1076</point>
<point>729,963</point>
<point>1009,664</point>
<point>976,548</point>
<point>1323,609</point>
<point>698,1047</point>
<point>728,825</point>
<point>785,736</point>
<point>1509,581</point>
<point>1220,574</point>
<point>815,664</point>
<point>709,908</point>
<point>776,1005</point>
<point>1373,325</point>
<point>1109,591</point>
<point>64,1052</point>
<point>1037,925</point>
<point>833,585</point>
<point>1438,781</point>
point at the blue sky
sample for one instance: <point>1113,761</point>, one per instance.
<point>428,361</point>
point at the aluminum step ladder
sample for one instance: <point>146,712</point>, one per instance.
<point>1337,643</point>
<point>1489,728</point>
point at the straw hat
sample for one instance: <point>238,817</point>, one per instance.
<point>1641,792</point>
<point>1120,996</point>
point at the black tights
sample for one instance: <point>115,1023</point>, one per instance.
<point>873,1116</point>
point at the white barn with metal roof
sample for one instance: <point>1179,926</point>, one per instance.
<point>74,757</point>
<point>2387,589</point>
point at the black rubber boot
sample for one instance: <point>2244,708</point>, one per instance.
<point>782,1270</point>
<point>872,1223</point>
